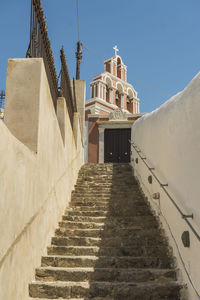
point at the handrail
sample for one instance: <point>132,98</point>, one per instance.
<point>184,216</point>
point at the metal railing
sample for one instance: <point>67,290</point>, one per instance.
<point>66,87</point>
<point>40,46</point>
<point>163,187</point>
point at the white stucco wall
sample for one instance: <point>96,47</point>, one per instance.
<point>37,173</point>
<point>86,142</point>
<point>169,138</point>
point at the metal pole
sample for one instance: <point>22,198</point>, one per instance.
<point>78,59</point>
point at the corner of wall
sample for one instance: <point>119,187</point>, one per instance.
<point>61,115</point>
<point>76,127</point>
<point>80,89</point>
<point>22,100</point>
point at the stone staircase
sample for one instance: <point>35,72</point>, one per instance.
<point>108,245</point>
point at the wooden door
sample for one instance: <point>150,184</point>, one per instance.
<point>116,145</point>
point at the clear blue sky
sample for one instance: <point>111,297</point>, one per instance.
<point>159,40</point>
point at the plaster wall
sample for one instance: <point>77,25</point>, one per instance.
<point>80,101</point>
<point>37,173</point>
<point>169,138</point>
<point>86,142</point>
<point>93,141</point>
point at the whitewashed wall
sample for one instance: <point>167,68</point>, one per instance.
<point>40,160</point>
<point>169,138</point>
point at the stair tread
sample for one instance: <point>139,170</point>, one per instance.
<point>109,245</point>
<point>102,247</point>
<point>92,269</point>
<point>95,257</point>
<point>138,228</point>
<point>87,284</point>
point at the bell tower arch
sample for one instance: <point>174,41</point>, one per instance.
<point>110,89</point>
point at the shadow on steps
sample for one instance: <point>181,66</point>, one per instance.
<point>109,244</point>
<point>134,260</point>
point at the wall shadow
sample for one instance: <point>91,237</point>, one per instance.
<point>131,242</point>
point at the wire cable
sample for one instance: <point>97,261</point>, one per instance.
<point>93,52</point>
<point>135,79</point>
<point>151,87</point>
<point>78,28</point>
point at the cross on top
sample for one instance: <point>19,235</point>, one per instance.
<point>116,50</point>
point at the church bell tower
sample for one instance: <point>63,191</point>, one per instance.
<point>110,89</point>
<point>110,113</point>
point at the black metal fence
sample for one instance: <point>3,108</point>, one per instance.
<point>40,46</point>
<point>2,99</point>
<point>66,87</point>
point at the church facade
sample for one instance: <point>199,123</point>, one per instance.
<point>109,113</point>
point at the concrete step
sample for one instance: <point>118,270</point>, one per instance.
<point>94,213</point>
<point>129,233</point>
<point>108,183</point>
<point>30,298</point>
<point>103,174</point>
<point>110,262</point>
<point>127,290</point>
<point>108,195</point>
<point>157,250</point>
<point>85,192</point>
<point>108,207</point>
<point>93,298</point>
<point>95,187</point>
<point>109,242</point>
<point>81,225</point>
<point>93,199</point>
<point>63,232</point>
<point>73,207</point>
<point>108,225</point>
<point>103,274</point>
<point>81,201</point>
<point>83,219</point>
<point>102,185</point>
<point>110,199</point>
<point>99,188</point>
<point>140,211</point>
<point>145,221</point>
<point>71,250</point>
<point>103,192</point>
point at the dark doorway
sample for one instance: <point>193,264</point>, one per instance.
<point>116,145</point>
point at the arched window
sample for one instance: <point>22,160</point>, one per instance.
<point>107,93</point>
<point>117,98</point>
<point>108,88</point>
<point>92,91</point>
<point>119,65</point>
<point>118,95</point>
<point>129,101</point>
